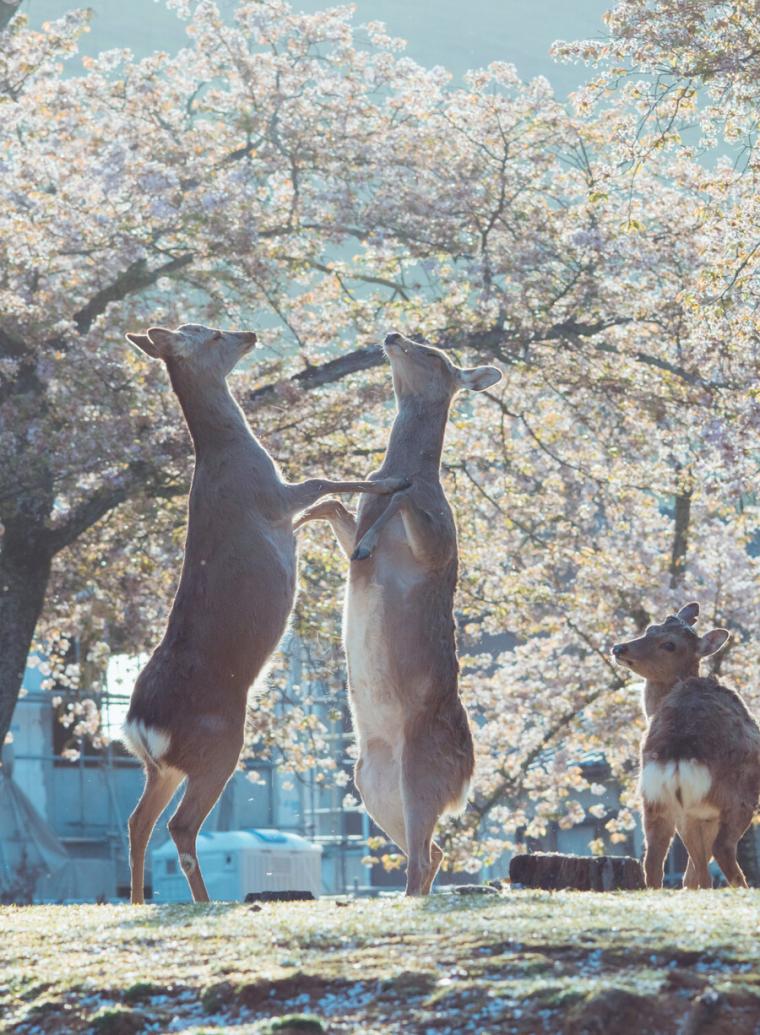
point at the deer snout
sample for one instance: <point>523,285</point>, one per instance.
<point>395,345</point>
<point>619,649</point>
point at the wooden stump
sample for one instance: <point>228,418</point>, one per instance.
<point>554,872</point>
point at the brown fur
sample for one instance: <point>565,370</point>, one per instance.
<point>415,747</point>
<point>696,725</point>
<point>235,594</point>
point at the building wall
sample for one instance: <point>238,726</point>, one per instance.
<point>30,728</point>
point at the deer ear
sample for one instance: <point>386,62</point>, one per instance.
<point>162,340</point>
<point>712,642</point>
<point>477,379</point>
<point>143,342</point>
<point>689,612</point>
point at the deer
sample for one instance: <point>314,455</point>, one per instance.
<point>700,755</point>
<point>415,753</point>
<point>236,590</point>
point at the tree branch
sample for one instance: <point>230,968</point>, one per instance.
<point>105,499</point>
<point>134,278</point>
<point>490,341</point>
<point>10,345</point>
<point>322,374</point>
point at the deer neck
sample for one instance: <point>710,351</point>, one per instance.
<point>214,419</point>
<point>656,691</point>
<point>416,441</point>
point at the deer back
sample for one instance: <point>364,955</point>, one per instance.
<point>702,720</point>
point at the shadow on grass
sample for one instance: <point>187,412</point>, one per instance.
<point>175,914</point>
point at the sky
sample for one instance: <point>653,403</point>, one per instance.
<point>458,34</point>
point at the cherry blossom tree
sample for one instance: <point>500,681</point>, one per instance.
<point>299,175</point>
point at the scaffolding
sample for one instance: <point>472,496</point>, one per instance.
<point>87,801</point>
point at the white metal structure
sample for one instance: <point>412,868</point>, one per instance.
<point>236,862</point>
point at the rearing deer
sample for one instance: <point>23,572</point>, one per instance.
<point>700,757</point>
<point>415,756</point>
<point>236,590</point>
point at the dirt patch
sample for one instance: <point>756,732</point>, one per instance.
<point>708,1013</point>
<point>614,1009</point>
<point>260,994</point>
<point>142,991</point>
<point>408,984</point>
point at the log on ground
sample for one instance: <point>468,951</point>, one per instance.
<point>555,872</point>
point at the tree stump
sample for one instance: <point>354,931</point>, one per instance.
<point>554,872</point>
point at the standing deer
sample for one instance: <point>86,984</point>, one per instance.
<point>700,757</point>
<point>237,587</point>
<point>415,757</point>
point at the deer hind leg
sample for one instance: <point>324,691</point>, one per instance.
<point>204,787</point>
<point>378,780</point>
<point>421,815</point>
<point>659,828</point>
<point>724,851</point>
<point>424,788</point>
<point>160,785</point>
<point>436,858</point>
<point>699,837</point>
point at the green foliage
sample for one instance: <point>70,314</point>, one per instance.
<point>294,1024</point>
<point>116,1021</point>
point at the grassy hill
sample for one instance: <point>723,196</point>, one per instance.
<point>521,961</point>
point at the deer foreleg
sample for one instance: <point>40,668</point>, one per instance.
<point>428,537</point>
<point>304,494</point>
<point>368,542</point>
<point>340,519</point>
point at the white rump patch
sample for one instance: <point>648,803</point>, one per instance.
<point>457,806</point>
<point>681,786</point>
<point>147,742</point>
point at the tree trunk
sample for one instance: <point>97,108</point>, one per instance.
<point>749,857</point>
<point>23,580</point>
<point>680,536</point>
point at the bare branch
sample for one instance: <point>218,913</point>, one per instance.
<point>138,477</point>
<point>135,278</point>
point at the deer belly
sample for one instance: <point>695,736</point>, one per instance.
<point>372,664</point>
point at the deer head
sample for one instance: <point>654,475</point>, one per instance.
<point>426,373</point>
<point>195,349</point>
<point>671,651</point>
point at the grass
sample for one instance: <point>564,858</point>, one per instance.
<point>523,962</point>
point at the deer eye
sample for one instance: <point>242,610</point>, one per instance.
<point>668,645</point>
